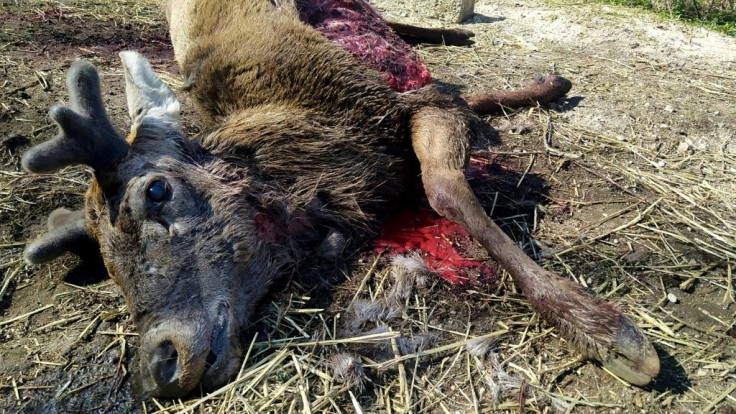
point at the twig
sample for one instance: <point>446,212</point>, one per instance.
<point>720,398</point>
<point>528,168</point>
<point>8,279</point>
<point>25,315</point>
<point>726,297</point>
<point>548,132</point>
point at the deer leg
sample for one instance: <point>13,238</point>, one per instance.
<point>595,327</point>
<point>543,90</point>
<point>415,34</point>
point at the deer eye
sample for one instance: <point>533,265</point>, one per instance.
<point>157,191</point>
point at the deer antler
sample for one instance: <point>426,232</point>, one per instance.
<point>85,135</point>
<point>67,233</point>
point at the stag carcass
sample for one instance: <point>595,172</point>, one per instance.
<point>308,145</point>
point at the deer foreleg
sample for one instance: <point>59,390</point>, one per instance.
<point>596,327</point>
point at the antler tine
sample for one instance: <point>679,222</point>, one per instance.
<point>85,135</point>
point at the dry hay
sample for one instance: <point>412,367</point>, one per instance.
<point>648,222</point>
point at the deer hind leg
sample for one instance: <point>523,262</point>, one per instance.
<point>597,328</point>
<point>542,90</point>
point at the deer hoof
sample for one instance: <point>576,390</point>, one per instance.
<point>634,359</point>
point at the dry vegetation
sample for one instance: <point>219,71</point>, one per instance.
<point>638,166</point>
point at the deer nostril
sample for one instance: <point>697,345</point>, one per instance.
<point>211,359</point>
<point>165,363</point>
<point>219,337</point>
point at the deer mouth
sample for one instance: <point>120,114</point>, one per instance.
<point>218,341</point>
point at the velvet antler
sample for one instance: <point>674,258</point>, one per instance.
<point>67,233</point>
<point>85,135</point>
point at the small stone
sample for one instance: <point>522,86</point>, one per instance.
<point>661,164</point>
<point>685,148</point>
<point>671,297</point>
<point>670,109</point>
<point>637,400</point>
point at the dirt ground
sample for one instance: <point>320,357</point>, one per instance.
<point>626,186</point>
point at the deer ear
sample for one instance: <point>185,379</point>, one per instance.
<point>147,94</point>
<point>67,233</point>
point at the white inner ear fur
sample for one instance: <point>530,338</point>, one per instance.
<point>147,95</point>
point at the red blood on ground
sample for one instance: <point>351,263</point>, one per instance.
<point>439,241</point>
<point>358,28</point>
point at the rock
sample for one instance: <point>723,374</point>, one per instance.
<point>685,148</point>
